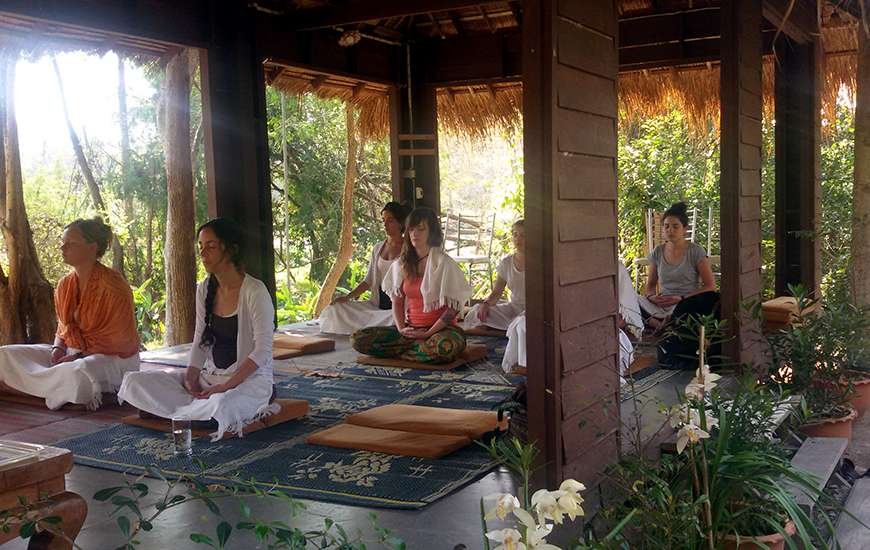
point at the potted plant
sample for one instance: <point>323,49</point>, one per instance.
<point>808,358</point>
<point>847,330</point>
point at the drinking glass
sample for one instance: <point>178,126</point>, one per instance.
<point>181,437</point>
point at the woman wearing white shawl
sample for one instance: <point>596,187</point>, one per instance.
<point>229,374</point>
<point>427,288</point>
<point>346,314</point>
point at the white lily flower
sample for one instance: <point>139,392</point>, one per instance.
<point>689,434</point>
<point>510,539</point>
<point>536,538</point>
<point>546,505</point>
<point>505,503</point>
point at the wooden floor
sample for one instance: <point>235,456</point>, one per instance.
<point>32,423</point>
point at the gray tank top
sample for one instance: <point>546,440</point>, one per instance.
<point>682,279</point>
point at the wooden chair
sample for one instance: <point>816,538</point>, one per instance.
<point>468,239</point>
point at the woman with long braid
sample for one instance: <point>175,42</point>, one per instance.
<point>229,373</point>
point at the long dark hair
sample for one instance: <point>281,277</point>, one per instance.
<point>398,211</point>
<point>232,241</point>
<point>94,231</point>
<point>678,210</point>
<point>409,256</point>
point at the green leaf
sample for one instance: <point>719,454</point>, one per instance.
<point>246,509</point>
<point>105,494</point>
<point>223,533</point>
<point>261,531</point>
<point>27,529</point>
<point>124,525</point>
<point>211,506</point>
<point>140,488</point>
<point>53,520</point>
<point>199,538</point>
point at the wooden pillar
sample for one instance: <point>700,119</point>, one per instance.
<point>234,122</point>
<point>740,184</point>
<point>414,135</point>
<point>798,161</point>
<point>569,105</point>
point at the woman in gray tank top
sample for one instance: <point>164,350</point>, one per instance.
<point>680,279</point>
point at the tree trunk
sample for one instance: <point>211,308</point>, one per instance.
<point>126,183</point>
<point>179,254</point>
<point>345,247</point>
<point>87,173</point>
<point>860,271</point>
<point>286,172</point>
<point>26,297</point>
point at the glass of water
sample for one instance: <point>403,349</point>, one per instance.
<point>181,437</point>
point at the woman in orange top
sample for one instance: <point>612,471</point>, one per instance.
<point>96,341</point>
<point>427,288</point>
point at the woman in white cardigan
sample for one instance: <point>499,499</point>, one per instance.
<point>229,373</point>
<point>427,288</point>
<point>346,314</point>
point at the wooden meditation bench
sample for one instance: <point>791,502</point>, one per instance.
<point>472,353</point>
<point>291,409</point>
<point>40,479</point>
<point>409,430</point>
<point>782,311</point>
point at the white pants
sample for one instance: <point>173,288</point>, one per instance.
<point>27,368</point>
<point>349,317</point>
<point>163,394</point>
<point>500,316</point>
<point>515,352</point>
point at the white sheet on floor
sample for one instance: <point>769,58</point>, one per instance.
<point>349,317</point>
<point>163,394</point>
<point>27,368</point>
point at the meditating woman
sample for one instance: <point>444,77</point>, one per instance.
<point>96,341</point>
<point>680,283</point>
<point>229,373</point>
<point>676,268</point>
<point>346,315</point>
<point>511,275</point>
<point>427,289</point>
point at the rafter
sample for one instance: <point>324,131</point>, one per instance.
<point>360,12</point>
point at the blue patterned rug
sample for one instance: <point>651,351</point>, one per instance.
<point>279,457</point>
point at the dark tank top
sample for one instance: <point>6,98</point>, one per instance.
<point>226,333</point>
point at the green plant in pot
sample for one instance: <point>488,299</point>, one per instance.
<point>810,357</point>
<point>847,329</point>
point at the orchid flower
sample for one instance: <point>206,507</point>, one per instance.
<point>505,503</point>
<point>535,533</point>
<point>510,539</point>
<point>570,502</point>
<point>702,383</point>
<point>546,505</point>
<point>689,433</point>
<point>679,415</point>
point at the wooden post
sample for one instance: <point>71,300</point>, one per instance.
<point>798,160</point>
<point>414,135</point>
<point>234,122</point>
<point>569,105</point>
<point>740,184</point>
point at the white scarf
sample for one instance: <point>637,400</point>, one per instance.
<point>444,283</point>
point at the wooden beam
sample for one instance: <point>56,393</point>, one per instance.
<point>361,12</point>
<point>182,23</point>
<point>796,18</point>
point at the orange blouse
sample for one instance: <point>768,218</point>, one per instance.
<point>98,318</point>
<point>418,318</point>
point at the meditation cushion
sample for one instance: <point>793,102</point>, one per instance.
<point>484,330</point>
<point>291,409</point>
<point>782,311</point>
<point>473,352</point>
<point>286,346</point>
<point>395,442</point>
<point>429,420</point>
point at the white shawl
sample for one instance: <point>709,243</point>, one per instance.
<point>374,275</point>
<point>256,327</point>
<point>444,283</point>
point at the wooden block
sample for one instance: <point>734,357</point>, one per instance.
<point>850,534</point>
<point>429,420</point>
<point>819,457</point>
<point>472,353</point>
<point>286,346</point>
<point>395,442</point>
<point>291,409</point>
<point>483,330</point>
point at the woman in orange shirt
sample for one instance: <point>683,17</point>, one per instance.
<point>427,288</point>
<point>96,341</point>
